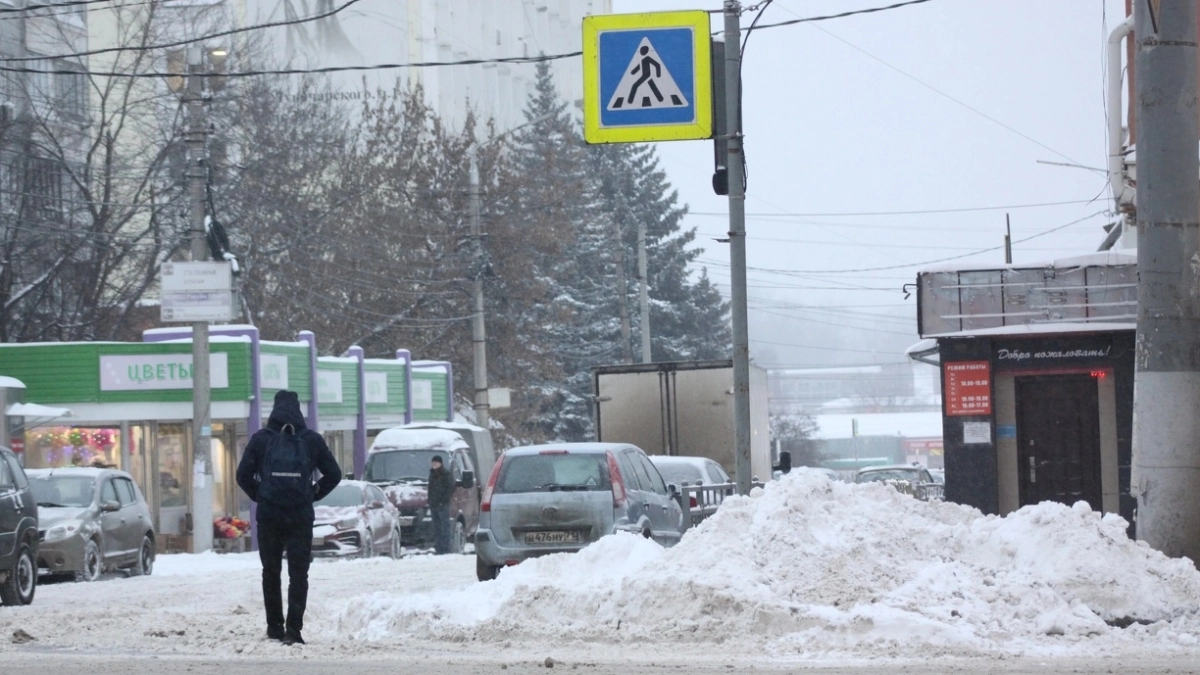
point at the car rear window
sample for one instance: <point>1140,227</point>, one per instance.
<point>552,473</point>
<point>887,474</point>
<point>679,473</point>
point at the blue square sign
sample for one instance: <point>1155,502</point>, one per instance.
<point>647,77</point>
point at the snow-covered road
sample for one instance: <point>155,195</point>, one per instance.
<point>808,573</point>
<point>212,605</point>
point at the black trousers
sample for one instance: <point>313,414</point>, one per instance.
<point>274,538</point>
<point>440,515</point>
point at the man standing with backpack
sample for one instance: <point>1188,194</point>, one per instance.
<point>276,472</point>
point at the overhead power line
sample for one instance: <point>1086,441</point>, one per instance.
<point>188,41</point>
<point>55,5</point>
<point>841,15</point>
<point>332,69</point>
<point>920,212</point>
<point>939,260</point>
<point>298,71</point>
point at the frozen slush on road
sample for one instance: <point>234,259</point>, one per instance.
<point>819,568</point>
<point>809,569</point>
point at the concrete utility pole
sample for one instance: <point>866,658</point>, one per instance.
<point>1166,428</point>
<point>623,294</point>
<point>478,329</point>
<point>644,291</point>
<point>737,247</point>
<point>202,473</point>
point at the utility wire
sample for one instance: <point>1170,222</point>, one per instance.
<point>339,69</point>
<point>299,71</point>
<point>896,213</point>
<point>842,15</point>
<point>939,260</point>
<point>53,5</point>
<point>188,41</point>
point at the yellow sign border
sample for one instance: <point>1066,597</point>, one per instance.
<point>593,26</point>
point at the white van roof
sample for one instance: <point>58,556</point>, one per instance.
<point>399,438</point>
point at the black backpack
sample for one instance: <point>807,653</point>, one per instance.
<point>286,476</point>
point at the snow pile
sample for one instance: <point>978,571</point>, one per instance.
<point>817,567</point>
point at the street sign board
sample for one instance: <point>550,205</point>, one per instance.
<point>196,276</point>
<point>197,306</point>
<point>647,77</point>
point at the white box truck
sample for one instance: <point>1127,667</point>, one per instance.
<point>682,408</point>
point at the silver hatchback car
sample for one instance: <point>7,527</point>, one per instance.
<point>559,498</point>
<point>91,520</point>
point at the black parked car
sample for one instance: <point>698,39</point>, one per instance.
<point>18,533</point>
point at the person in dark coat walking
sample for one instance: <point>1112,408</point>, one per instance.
<point>441,488</point>
<point>286,527</point>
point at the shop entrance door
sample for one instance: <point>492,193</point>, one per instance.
<point>1058,439</point>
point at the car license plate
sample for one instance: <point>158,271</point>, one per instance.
<point>556,537</point>
<point>405,521</point>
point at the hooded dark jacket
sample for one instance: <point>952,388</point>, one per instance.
<point>441,487</point>
<point>287,411</point>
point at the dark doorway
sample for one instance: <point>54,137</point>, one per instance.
<point>1058,439</point>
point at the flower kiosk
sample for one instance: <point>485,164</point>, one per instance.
<point>131,409</point>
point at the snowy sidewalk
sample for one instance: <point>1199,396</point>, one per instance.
<point>810,571</point>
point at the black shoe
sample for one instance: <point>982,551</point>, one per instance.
<point>276,633</point>
<point>293,638</point>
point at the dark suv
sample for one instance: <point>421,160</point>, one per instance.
<point>18,533</point>
<point>399,462</point>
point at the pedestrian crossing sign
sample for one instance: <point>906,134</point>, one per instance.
<point>647,77</point>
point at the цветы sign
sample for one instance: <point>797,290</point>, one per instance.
<point>145,372</point>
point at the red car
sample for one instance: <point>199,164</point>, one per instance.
<point>356,519</point>
<point>399,464</point>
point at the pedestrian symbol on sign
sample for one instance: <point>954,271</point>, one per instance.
<point>647,84</point>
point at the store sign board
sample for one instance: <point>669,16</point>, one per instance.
<point>329,386</point>
<point>422,395</point>
<point>376,387</point>
<point>273,371</point>
<point>968,387</point>
<point>977,433</point>
<point>149,372</point>
<point>189,277</point>
<point>197,306</point>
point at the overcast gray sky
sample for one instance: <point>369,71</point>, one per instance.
<point>943,105</point>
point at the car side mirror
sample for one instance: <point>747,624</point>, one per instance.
<point>785,462</point>
<point>673,489</point>
<point>110,507</point>
<point>468,479</point>
<point>377,504</point>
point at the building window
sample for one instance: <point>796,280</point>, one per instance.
<point>44,188</point>
<point>70,92</point>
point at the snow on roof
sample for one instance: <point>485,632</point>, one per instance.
<point>1113,257</point>
<point>843,370</point>
<point>1041,329</point>
<point>35,410</point>
<point>457,426</point>
<point>926,345</point>
<point>399,438</point>
<point>907,425</point>
<point>386,362</point>
<point>88,471</point>
<point>284,343</point>
<point>7,382</point>
<point>211,338</point>
<point>571,447</point>
<point>221,328</point>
